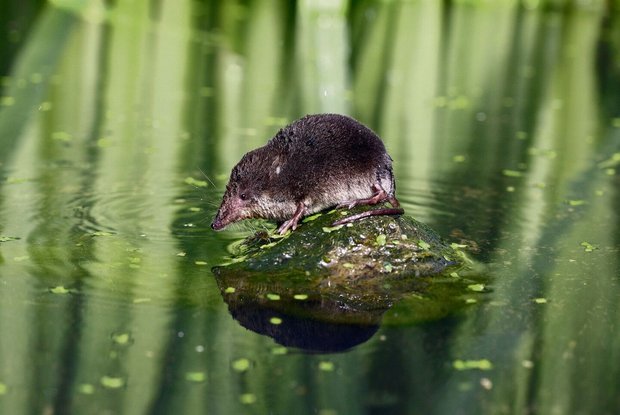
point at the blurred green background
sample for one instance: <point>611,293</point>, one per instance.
<point>120,121</point>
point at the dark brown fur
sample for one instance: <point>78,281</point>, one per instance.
<point>314,163</point>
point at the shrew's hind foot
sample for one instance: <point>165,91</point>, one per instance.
<point>368,213</point>
<point>379,196</point>
<point>294,221</point>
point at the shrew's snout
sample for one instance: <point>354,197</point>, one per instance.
<point>218,224</point>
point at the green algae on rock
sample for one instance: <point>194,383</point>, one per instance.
<point>345,254</point>
<point>333,284</point>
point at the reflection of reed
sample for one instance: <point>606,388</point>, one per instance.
<point>21,93</point>
<point>551,138</point>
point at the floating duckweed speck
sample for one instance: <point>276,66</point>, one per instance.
<point>388,267</point>
<point>326,366</point>
<point>273,297</point>
<point>121,338</point>
<point>348,265</point>
<point>470,301</point>
<point>482,364</point>
<point>193,182</point>
<point>182,254</point>
<point>229,290</point>
<point>86,389</point>
<point>540,300</point>
<point>476,287</point>
<point>195,209</point>
<point>588,247</point>
<point>200,263</point>
<point>59,290</point>
<point>300,297</point>
<point>275,320</point>
<point>247,398</point>
<point>512,173</point>
<point>279,350</point>
<point>241,365</point>
<point>195,376</point>
<point>112,382</point>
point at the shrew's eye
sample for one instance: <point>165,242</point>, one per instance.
<point>243,196</point>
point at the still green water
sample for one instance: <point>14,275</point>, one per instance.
<point>120,121</point>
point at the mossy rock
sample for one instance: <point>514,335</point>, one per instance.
<point>375,247</point>
<point>321,279</point>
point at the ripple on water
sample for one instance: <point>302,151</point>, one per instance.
<point>460,210</point>
<point>139,212</point>
<point>427,200</point>
<point>128,247</point>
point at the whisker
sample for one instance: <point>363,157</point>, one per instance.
<point>189,202</point>
<point>204,219</point>
<point>207,177</point>
<point>210,203</point>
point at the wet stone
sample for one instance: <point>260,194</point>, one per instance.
<point>351,253</point>
<point>334,284</point>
